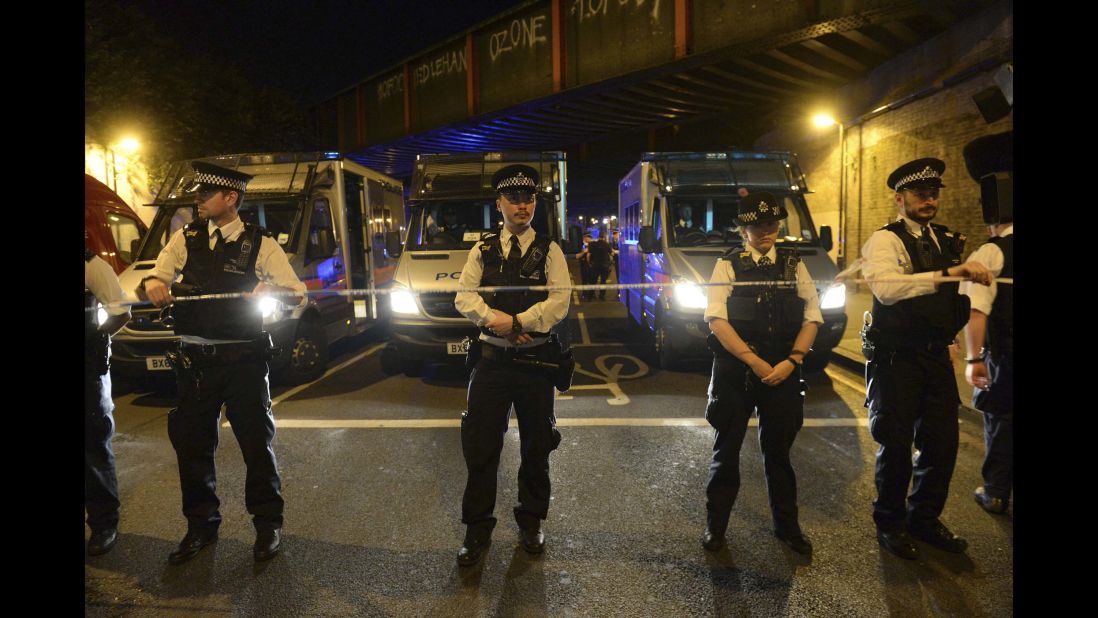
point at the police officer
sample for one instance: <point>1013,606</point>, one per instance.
<point>586,272</point>
<point>600,258</point>
<point>989,334</point>
<point>911,392</point>
<point>100,482</point>
<point>514,341</point>
<point>222,357</point>
<point>760,336</point>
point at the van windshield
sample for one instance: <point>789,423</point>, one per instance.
<point>696,221</point>
<point>459,224</point>
<point>279,216</point>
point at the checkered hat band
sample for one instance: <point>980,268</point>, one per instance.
<point>749,216</point>
<point>521,182</point>
<point>923,175</point>
<point>214,179</point>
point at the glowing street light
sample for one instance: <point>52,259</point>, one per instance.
<point>129,145</point>
<point>824,120</point>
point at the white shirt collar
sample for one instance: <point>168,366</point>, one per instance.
<point>524,238</point>
<point>229,231</point>
<point>756,254</point>
<point>1007,231</point>
<point>916,229</point>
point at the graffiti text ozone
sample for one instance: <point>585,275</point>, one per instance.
<point>522,33</point>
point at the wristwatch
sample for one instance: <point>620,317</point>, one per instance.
<point>516,326</point>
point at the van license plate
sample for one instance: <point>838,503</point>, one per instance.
<point>455,348</point>
<point>157,363</point>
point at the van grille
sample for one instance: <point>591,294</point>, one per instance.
<point>440,305</point>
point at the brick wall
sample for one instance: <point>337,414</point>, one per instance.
<point>938,125</point>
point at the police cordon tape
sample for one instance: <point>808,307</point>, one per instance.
<point>534,288</point>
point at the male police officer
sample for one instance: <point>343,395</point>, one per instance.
<point>910,389</point>
<point>222,356</point>
<point>100,482</point>
<point>514,342</point>
<point>990,367</point>
<point>760,336</point>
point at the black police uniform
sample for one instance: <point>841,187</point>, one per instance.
<point>214,374</point>
<point>601,260</point>
<point>997,403</point>
<point>230,374</point>
<point>990,162</point>
<point>911,392</point>
<point>100,480</point>
<point>768,319</point>
<point>503,377</point>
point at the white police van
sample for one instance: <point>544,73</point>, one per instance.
<point>675,213</point>
<point>329,214</point>
<point>452,205</point>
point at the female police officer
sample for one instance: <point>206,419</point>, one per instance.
<point>760,336</point>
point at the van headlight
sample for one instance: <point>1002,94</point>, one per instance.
<point>271,309</point>
<point>403,302</point>
<point>268,305</point>
<point>834,297</point>
<point>690,295</point>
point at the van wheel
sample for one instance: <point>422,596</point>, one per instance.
<point>308,355</point>
<point>390,360</point>
<point>666,354</point>
<point>412,368</point>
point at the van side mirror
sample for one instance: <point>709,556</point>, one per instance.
<point>825,237</point>
<point>647,241</point>
<point>393,248</point>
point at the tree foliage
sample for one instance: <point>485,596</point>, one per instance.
<point>182,105</point>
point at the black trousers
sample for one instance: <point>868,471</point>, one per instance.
<point>100,481</point>
<point>493,389</point>
<point>733,398</point>
<point>193,430</point>
<point>912,399</point>
<point>997,405</point>
<point>599,275</point>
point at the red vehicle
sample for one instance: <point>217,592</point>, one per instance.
<point>111,228</point>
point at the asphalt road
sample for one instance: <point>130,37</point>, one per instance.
<point>373,475</point>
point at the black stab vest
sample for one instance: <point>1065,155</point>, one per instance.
<point>496,272</point>
<point>229,268</point>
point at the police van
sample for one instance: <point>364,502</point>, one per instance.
<point>676,210</point>
<point>452,206</point>
<point>329,214</point>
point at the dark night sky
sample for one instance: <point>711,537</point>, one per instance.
<point>313,49</point>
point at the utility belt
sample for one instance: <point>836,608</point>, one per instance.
<point>876,344</point>
<point>548,356</point>
<point>200,355</point>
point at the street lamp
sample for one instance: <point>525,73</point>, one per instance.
<point>128,145</point>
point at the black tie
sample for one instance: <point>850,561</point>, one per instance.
<point>515,256</point>
<point>764,261</point>
<point>218,239</point>
<point>929,251</point>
